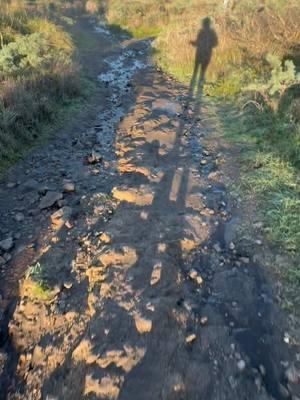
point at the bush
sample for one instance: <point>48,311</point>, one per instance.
<point>37,75</point>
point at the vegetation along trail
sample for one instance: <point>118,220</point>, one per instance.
<point>120,276</point>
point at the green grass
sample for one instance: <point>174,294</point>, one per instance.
<point>269,173</point>
<point>36,285</point>
<point>269,178</point>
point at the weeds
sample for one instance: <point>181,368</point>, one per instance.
<point>35,283</point>
<point>37,76</point>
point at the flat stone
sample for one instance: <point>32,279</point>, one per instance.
<point>7,244</point>
<point>50,199</point>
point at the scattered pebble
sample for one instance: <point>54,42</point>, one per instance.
<point>241,365</point>
<point>231,246</point>
<point>245,260</point>
<point>217,247</point>
<point>105,238</point>
<point>69,187</point>
<point>262,370</point>
<point>292,374</point>
<point>195,276</point>
<point>94,157</point>
<point>68,284</point>
<point>19,217</point>
<point>191,338</point>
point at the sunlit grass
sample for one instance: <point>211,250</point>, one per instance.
<point>268,173</point>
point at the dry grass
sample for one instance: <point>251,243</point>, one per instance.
<point>246,34</point>
<point>31,96</point>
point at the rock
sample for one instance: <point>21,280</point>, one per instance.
<point>94,157</point>
<point>262,370</point>
<point>105,238</point>
<point>231,246</point>
<point>283,391</point>
<point>50,199</point>
<point>7,257</point>
<point>258,242</point>
<point>7,244</point>
<point>245,260</point>
<point>2,261</point>
<point>191,338</point>
<point>195,276</point>
<point>11,185</point>
<point>241,365</point>
<point>258,383</point>
<point>19,217</point>
<point>68,284</point>
<point>203,320</point>
<point>143,325</point>
<point>69,187</point>
<point>292,374</point>
<point>203,162</point>
<point>217,247</point>
<point>61,216</point>
<point>232,382</point>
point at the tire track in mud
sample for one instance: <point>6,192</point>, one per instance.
<point>150,299</point>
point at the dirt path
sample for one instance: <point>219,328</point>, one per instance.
<point>135,290</point>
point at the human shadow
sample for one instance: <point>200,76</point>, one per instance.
<point>205,42</point>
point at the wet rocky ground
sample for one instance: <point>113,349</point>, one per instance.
<point>120,274</point>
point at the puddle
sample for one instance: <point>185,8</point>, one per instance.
<point>121,70</point>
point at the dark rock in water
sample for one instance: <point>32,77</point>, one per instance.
<point>50,199</point>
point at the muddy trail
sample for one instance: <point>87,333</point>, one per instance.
<point>120,277</point>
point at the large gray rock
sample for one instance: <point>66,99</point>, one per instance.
<point>7,244</point>
<point>50,199</point>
